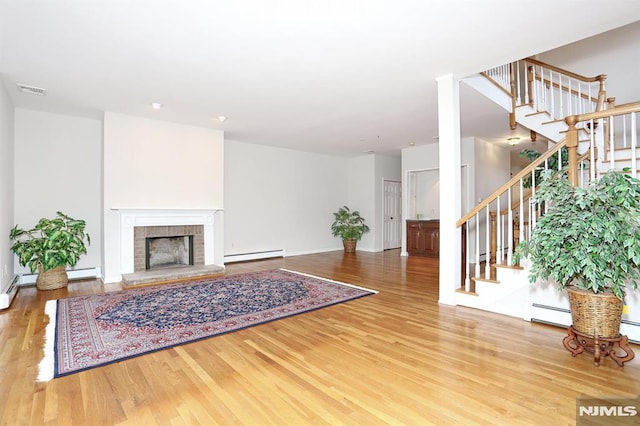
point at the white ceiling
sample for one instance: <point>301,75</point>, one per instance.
<point>339,76</point>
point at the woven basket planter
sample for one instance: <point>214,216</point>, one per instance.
<point>52,279</point>
<point>593,313</point>
<point>349,246</point>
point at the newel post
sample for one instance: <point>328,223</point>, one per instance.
<point>602,92</point>
<point>514,94</point>
<point>530,78</point>
<point>572,148</point>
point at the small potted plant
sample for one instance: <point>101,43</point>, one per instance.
<point>49,247</point>
<point>349,226</point>
<point>588,242</point>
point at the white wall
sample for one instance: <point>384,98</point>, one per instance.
<point>362,195</point>
<point>428,187</point>
<point>279,198</point>
<point>57,167</point>
<point>6,188</point>
<point>614,53</point>
<point>151,164</point>
<point>493,168</point>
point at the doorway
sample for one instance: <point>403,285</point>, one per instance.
<point>392,214</point>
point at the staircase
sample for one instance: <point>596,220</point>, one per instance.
<point>585,130</point>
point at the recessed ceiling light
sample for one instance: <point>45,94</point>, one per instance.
<point>412,143</point>
<point>221,118</point>
<point>156,105</point>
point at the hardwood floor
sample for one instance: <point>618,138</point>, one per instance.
<point>396,357</point>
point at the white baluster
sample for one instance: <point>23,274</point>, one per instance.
<point>518,88</point>
<point>570,98</point>
<point>634,145</point>
<point>509,241</point>
<point>521,210</point>
<point>487,257</point>
<point>498,232</point>
<point>551,96</point>
<point>525,77</point>
<point>612,143</point>
<point>477,255</point>
<point>561,95</point>
<point>592,150</point>
<point>624,130</point>
<point>467,281</point>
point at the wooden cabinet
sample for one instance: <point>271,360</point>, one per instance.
<point>423,238</point>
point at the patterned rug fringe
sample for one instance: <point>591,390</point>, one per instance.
<point>327,279</point>
<point>45,368</point>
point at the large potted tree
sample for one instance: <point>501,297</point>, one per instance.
<point>588,243</point>
<point>349,226</point>
<point>49,247</point>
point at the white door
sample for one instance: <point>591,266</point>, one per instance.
<point>392,210</point>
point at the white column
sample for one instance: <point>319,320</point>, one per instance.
<point>450,192</point>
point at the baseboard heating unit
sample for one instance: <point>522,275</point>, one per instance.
<point>73,274</point>
<point>258,255</point>
<point>561,317</point>
<point>7,297</point>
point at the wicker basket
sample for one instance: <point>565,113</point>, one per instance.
<point>593,313</point>
<point>52,279</point>
<point>349,246</point>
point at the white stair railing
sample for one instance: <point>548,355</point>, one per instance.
<point>549,89</point>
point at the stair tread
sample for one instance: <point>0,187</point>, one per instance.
<point>486,280</point>
<point>504,265</point>
<point>536,113</point>
<point>470,293</point>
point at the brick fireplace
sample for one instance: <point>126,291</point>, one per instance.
<point>138,225</point>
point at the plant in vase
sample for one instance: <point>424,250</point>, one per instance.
<point>49,247</point>
<point>349,226</point>
<point>588,243</point>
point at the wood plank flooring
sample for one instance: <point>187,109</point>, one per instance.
<point>396,357</point>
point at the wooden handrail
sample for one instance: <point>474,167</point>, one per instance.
<point>521,174</point>
<point>600,77</point>
<point>617,110</point>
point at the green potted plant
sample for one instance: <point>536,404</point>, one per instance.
<point>349,226</point>
<point>588,242</point>
<point>49,247</point>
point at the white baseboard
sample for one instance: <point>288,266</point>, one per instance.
<point>241,257</point>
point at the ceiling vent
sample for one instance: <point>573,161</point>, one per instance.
<point>32,90</point>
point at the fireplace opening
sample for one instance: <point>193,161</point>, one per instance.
<point>167,252</point>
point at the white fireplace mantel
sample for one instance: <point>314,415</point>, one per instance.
<point>130,218</point>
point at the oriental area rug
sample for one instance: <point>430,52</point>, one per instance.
<point>89,331</point>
